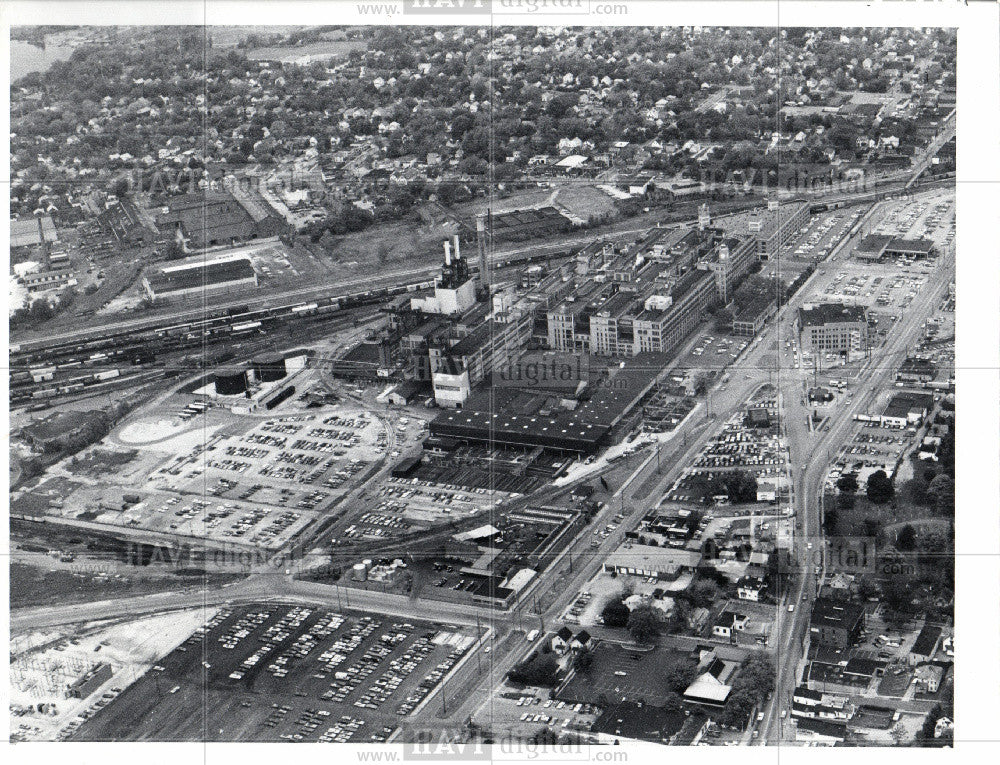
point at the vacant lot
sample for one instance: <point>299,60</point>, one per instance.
<point>36,586</point>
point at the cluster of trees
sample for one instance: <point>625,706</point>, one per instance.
<point>540,669</point>
<point>488,117</point>
<point>41,310</point>
<point>753,685</point>
<point>879,488</point>
<point>350,218</point>
<point>738,485</point>
<point>677,675</point>
<point>933,483</point>
<point>926,735</point>
<point>643,622</point>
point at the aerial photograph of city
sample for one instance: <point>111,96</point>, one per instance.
<point>423,385</point>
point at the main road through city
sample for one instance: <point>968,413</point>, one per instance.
<point>810,458</point>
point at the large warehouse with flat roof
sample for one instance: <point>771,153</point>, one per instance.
<point>563,431</point>
<point>199,277</point>
<point>211,218</point>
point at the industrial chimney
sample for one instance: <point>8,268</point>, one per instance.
<point>447,252</point>
<point>484,279</point>
<point>458,252</point>
<point>704,217</point>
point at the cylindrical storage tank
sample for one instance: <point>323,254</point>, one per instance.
<point>231,381</point>
<point>359,572</point>
<point>269,367</point>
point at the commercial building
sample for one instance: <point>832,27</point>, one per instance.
<point>711,687</point>
<point>61,429</point>
<point>877,247</point>
<point>926,644</point>
<point>730,261</point>
<point>832,328</point>
<point>562,431</point>
<point>871,248</point>
<point>129,224</point>
<point>641,302</point>
<point>841,675</point>
<point>816,732</point>
<point>835,623</point>
<point>200,277</point>
<point>48,279</point>
<point>89,681</point>
<point>917,370</point>
<point>771,227</point>
<point>664,563</point>
<point>663,330</point>
<point>212,218</point>
<point>907,408</point>
<point>910,248</point>
<point>32,232</point>
<point>749,318</point>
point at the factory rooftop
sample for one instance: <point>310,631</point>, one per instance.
<point>830,313</point>
<point>201,273</point>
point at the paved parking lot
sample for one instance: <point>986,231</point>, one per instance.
<point>529,711</point>
<point>815,242</point>
<point>760,452</point>
<point>618,674</point>
<point>280,672</point>
<point>311,456</point>
<point>871,448</point>
<point>713,350</point>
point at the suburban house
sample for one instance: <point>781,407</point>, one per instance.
<point>750,588</point>
<point>560,641</point>
<point>927,678</point>
<point>564,640</point>
<point>728,624</point>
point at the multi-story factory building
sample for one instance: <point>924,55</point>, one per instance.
<point>832,328</point>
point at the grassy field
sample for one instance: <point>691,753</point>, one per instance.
<point>585,201</point>
<point>852,521</point>
<point>397,244</point>
<point>313,51</point>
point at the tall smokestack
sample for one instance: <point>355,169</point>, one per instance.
<point>447,252</point>
<point>458,252</point>
<point>484,280</point>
